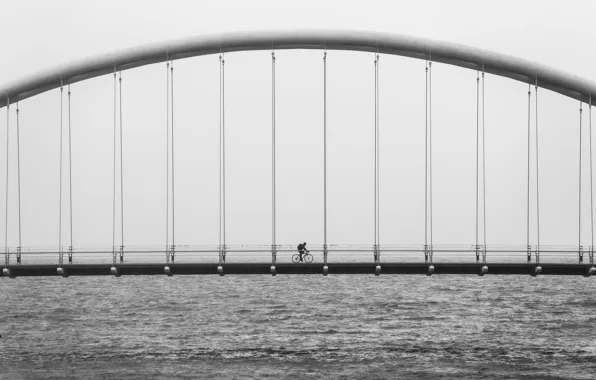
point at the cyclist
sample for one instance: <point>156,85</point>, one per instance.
<point>302,250</point>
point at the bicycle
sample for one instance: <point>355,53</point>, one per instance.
<point>307,257</point>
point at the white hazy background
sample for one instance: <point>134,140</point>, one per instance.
<point>39,35</point>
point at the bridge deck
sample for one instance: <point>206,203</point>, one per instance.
<point>287,268</point>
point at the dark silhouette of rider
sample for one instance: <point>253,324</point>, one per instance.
<point>302,250</point>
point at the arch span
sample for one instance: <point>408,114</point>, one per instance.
<point>439,51</point>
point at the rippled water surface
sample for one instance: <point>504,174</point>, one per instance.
<point>298,326</point>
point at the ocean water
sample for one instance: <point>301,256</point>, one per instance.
<point>298,326</point>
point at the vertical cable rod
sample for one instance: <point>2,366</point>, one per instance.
<point>591,183</point>
<point>7,179</point>
<point>325,157</point>
<point>537,177</point>
<point>114,175</point>
<point>61,155</point>
<point>378,162</point>
<point>121,176</point>
<point>223,147</point>
<point>173,166</point>
<point>219,161</point>
<point>19,171</point>
<point>376,153</point>
<point>168,161</point>
<point>273,210</point>
<point>426,163</point>
<point>219,156</point>
<point>19,183</point>
<point>483,173</point>
<point>528,172</point>
<point>579,211</point>
<point>477,153</point>
<point>70,170</point>
<point>430,152</point>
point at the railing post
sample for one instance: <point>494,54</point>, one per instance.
<point>6,271</point>
<point>70,252</point>
<point>114,255</point>
<point>172,253</point>
<point>19,255</point>
<point>167,270</point>
<point>581,254</point>
<point>222,260</point>
<point>477,249</point>
<point>121,254</point>
<point>529,253</point>
<point>425,253</point>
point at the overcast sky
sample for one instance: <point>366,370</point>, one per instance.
<point>39,35</point>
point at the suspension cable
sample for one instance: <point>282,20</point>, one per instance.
<point>528,187</point>
<point>579,213</point>
<point>378,162</point>
<point>173,150</point>
<point>483,171</point>
<point>121,175</point>
<point>7,177</point>
<point>325,157</point>
<point>537,178</point>
<point>61,155</point>
<point>114,175</point>
<point>477,151</point>
<point>430,150</point>
<point>219,152</point>
<point>167,160</point>
<point>273,231</point>
<point>19,181</point>
<point>376,62</point>
<point>426,160</point>
<point>223,146</point>
<point>70,170</point>
<point>591,182</point>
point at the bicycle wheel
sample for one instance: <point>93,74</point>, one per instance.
<point>296,258</point>
<point>308,258</point>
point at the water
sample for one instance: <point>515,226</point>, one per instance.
<point>296,326</point>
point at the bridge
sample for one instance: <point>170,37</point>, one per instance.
<point>427,257</point>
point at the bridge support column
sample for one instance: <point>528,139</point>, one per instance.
<point>70,252</point>
<point>62,272</point>
<point>431,268</point>
<point>7,272</point>
<point>19,255</point>
<point>592,270</point>
<point>114,269</point>
<point>167,269</point>
<point>377,256</point>
<point>273,259</point>
<point>537,269</point>
<point>222,260</point>
<point>529,253</point>
<point>325,267</point>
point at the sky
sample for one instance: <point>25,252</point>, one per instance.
<point>41,35</point>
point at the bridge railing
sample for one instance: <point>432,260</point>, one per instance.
<point>336,253</point>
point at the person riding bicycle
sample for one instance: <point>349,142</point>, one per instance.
<point>302,250</point>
